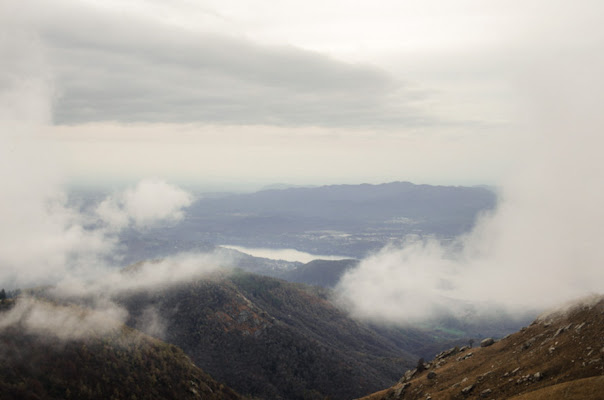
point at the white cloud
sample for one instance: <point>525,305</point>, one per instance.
<point>62,322</point>
<point>95,309</point>
<point>544,244</point>
<point>41,238</point>
<point>150,202</point>
<point>46,241</point>
<point>148,275</point>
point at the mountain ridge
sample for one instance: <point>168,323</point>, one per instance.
<point>118,364</point>
<point>273,339</point>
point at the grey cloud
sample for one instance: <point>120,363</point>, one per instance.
<point>111,67</point>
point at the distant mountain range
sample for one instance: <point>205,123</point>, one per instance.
<point>349,220</point>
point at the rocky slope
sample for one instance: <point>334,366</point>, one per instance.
<point>560,355</point>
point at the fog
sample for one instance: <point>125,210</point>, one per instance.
<point>45,240</point>
<point>148,275</point>
<point>543,245</point>
<point>62,322</point>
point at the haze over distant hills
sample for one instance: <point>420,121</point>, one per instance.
<point>340,219</point>
<point>343,220</point>
<point>239,319</point>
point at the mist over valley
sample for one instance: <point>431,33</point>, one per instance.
<point>436,232</point>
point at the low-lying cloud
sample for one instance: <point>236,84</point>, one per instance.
<point>91,307</point>
<point>62,322</point>
<point>100,297</point>
<point>48,241</point>
<point>542,246</point>
<point>146,275</point>
<point>146,204</point>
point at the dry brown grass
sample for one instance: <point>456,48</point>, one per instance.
<point>567,352</point>
<point>580,389</point>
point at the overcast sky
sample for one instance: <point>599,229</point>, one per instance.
<point>241,93</point>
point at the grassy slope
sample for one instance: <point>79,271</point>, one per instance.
<point>566,351</point>
<point>580,389</point>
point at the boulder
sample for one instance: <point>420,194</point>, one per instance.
<point>467,390</point>
<point>485,393</point>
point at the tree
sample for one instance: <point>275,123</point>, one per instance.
<point>2,294</point>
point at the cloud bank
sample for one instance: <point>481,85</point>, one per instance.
<point>46,240</point>
<point>111,64</point>
<point>542,246</point>
<point>62,322</point>
<point>43,238</point>
<point>143,276</point>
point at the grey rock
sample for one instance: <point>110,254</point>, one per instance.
<point>487,342</point>
<point>447,353</point>
<point>528,343</point>
<point>467,390</point>
<point>399,392</point>
<point>431,375</point>
<point>485,392</point>
<point>483,376</point>
<point>562,330</point>
<point>408,375</point>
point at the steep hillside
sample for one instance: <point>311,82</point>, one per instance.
<point>272,339</point>
<point>123,364</point>
<point>560,356</point>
